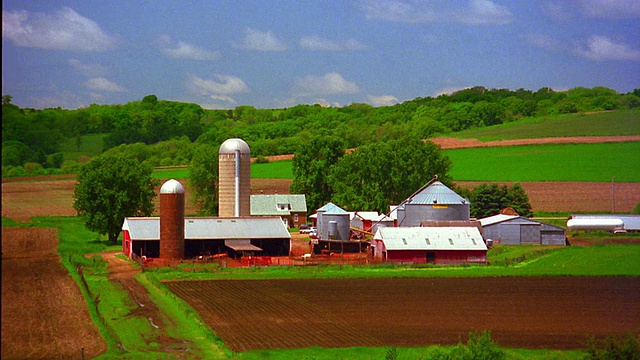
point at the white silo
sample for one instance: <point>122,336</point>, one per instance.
<point>234,179</point>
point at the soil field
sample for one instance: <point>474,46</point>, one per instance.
<point>44,315</point>
<point>23,200</point>
<point>544,312</point>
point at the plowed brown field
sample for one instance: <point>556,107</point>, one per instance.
<point>44,315</point>
<point>539,312</point>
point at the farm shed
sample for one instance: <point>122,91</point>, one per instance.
<point>265,235</point>
<point>518,230</point>
<point>435,245</point>
<point>435,202</point>
<point>292,208</point>
<point>630,222</point>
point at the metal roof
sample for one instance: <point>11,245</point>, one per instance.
<point>332,209</point>
<point>437,193</point>
<point>369,215</point>
<point>490,220</point>
<point>230,146</point>
<point>269,204</point>
<point>148,228</point>
<point>430,238</point>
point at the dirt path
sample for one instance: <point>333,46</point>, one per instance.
<point>122,273</point>
<point>452,143</point>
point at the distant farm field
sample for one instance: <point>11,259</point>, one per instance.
<point>612,123</point>
<point>554,162</point>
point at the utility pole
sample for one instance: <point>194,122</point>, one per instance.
<point>613,196</point>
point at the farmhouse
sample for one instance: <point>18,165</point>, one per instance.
<point>233,236</point>
<point>434,245</point>
<point>292,208</point>
<point>517,230</point>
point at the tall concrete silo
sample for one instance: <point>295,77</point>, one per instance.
<point>172,220</point>
<point>234,179</point>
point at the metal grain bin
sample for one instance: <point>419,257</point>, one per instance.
<point>435,202</point>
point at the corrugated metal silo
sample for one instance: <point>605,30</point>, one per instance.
<point>172,220</point>
<point>234,176</point>
<point>329,214</point>
<point>435,202</point>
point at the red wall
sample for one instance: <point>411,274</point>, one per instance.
<point>441,256</point>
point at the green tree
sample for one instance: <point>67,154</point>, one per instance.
<point>111,187</point>
<point>489,199</point>
<point>203,179</point>
<point>311,165</point>
<point>384,173</point>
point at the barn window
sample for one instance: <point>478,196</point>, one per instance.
<point>404,241</point>
<point>427,241</point>
<point>451,241</point>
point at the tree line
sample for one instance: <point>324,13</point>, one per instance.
<point>39,139</point>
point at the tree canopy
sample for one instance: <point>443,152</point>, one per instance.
<point>490,199</point>
<point>203,179</point>
<point>383,173</point>
<point>312,163</point>
<point>111,187</point>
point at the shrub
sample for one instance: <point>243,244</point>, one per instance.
<point>479,347</point>
<point>614,348</point>
<point>32,168</point>
<point>261,160</point>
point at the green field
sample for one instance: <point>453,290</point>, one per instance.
<point>552,162</point>
<point>566,162</point>
<point>613,123</point>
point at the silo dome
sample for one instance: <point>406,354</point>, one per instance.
<point>230,146</point>
<point>172,187</point>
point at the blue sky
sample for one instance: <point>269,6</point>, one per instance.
<point>273,54</point>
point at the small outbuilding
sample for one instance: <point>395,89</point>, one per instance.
<point>519,230</point>
<point>369,221</point>
<point>292,208</point>
<point>434,245</point>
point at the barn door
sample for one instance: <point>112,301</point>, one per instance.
<point>431,257</point>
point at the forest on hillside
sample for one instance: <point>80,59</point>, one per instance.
<point>165,132</point>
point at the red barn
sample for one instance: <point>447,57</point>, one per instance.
<point>435,245</point>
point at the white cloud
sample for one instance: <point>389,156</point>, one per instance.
<point>261,41</point>
<point>609,9</point>
<point>485,12</point>
<point>413,11</point>
<point>182,50</point>
<point>218,90</point>
<point>399,10</point>
<point>383,100</point>
<point>62,30</point>
<point>89,70</point>
<point>543,42</point>
<point>601,48</point>
<point>102,84</point>
<point>319,44</point>
<point>331,83</point>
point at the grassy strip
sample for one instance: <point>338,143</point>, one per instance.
<point>404,353</point>
<point>186,323</point>
<point>562,162</point>
<point>609,260</point>
<point>271,170</point>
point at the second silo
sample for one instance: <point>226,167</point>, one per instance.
<point>333,223</point>
<point>234,176</point>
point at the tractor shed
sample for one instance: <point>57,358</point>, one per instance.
<point>518,230</point>
<point>435,245</point>
<point>266,236</point>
